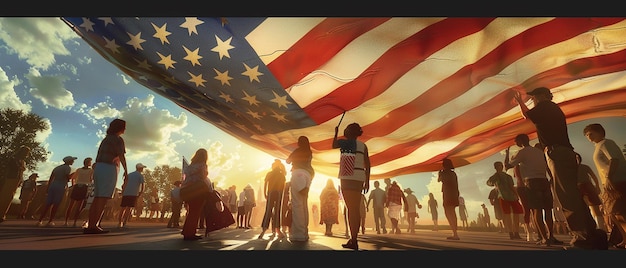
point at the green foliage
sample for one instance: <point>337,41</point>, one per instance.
<point>161,179</point>
<point>18,128</point>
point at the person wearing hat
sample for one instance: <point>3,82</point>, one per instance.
<point>551,126</point>
<point>132,188</point>
<point>413,204</point>
<point>57,184</point>
<point>27,193</point>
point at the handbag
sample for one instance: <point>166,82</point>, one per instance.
<point>195,190</point>
<point>218,216</point>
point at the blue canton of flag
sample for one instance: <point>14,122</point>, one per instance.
<point>202,65</point>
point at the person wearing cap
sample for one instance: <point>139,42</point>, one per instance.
<point>111,154</point>
<point>551,126</point>
<point>80,180</point>
<point>56,186</point>
<point>11,177</point>
<point>132,188</point>
<point>413,204</point>
<point>27,193</point>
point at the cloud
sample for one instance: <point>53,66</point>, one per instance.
<point>50,90</point>
<point>149,130</point>
<point>8,97</point>
<point>36,40</point>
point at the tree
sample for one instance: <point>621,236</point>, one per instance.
<point>18,128</point>
<point>161,178</point>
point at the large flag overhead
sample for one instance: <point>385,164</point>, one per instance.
<point>422,88</point>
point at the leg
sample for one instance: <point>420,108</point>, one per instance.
<point>95,212</point>
<point>452,220</point>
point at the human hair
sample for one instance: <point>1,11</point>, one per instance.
<point>523,139</point>
<point>116,126</point>
<point>353,130</point>
<point>579,157</point>
<point>86,160</point>
<point>447,163</point>
<point>201,156</point>
<point>595,128</point>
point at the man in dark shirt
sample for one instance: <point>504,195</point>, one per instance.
<point>549,120</point>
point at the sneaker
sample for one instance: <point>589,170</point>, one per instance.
<point>50,224</point>
<point>39,224</point>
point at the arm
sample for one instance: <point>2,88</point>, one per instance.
<point>507,165</point>
<point>335,143</point>
<point>522,105</point>
<point>594,178</point>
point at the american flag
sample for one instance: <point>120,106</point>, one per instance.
<point>184,166</point>
<point>422,88</point>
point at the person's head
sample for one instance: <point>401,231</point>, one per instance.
<point>376,184</point>
<point>447,163</point>
<point>498,166</point>
<point>540,94</point>
<point>278,165</point>
<point>522,140</point>
<point>200,156</point>
<point>116,127</point>
<point>352,131</point>
<point>387,180</point>
<point>579,158</point>
<point>431,195</point>
<point>139,167</point>
<point>87,161</point>
<point>69,160</point>
<point>330,183</point>
<point>22,152</point>
<point>303,142</point>
<point>594,132</point>
<point>33,176</point>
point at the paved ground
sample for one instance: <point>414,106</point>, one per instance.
<point>24,235</point>
<point>158,242</point>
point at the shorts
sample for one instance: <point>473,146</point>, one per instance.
<point>104,179</point>
<point>56,192</point>
<point>539,193</point>
<point>79,192</point>
<point>129,201</point>
<point>241,210</point>
<point>509,207</point>
<point>27,195</point>
<point>589,193</point>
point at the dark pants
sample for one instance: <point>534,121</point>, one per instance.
<point>564,168</point>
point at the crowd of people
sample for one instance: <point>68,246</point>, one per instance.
<point>549,189</point>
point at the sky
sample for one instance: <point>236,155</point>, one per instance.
<point>47,69</point>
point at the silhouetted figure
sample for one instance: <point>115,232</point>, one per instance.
<point>450,189</point>
<point>132,188</point>
<point>329,207</point>
<point>378,199</point>
<point>57,184</point>
<point>354,176</point>
<point>81,179</point>
<point>111,153</point>
<point>549,120</point>
<point>432,209</point>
